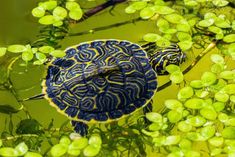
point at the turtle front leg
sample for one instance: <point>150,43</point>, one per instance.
<point>80,127</point>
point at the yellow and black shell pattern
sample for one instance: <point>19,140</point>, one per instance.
<point>100,81</point>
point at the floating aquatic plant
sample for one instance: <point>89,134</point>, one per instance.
<point>202,111</point>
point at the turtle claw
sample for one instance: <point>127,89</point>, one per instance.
<point>80,127</point>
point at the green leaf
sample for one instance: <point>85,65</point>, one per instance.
<point>208,78</point>
<point>206,23</point>
<point>215,30</point>
<point>95,140</point>
<point>201,93</point>
<point>216,141</point>
<point>233,25</point>
<point>48,5</point>
<point>172,140</point>
<point>58,23</point>
<point>174,116</point>
<point>227,75</point>
<point>60,13</point>
<point>174,18</point>
<point>41,56</point>
<point>58,53</point>
<point>79,143</point>
<point>208,113</point>
<point>47,20</point>
<point>192,153</point>
<point>21,148</point>
<point>194,103</point>
<point>218,86</point>
<point>2,51</point>
<point>162,23</point>
<point>27,56</point>
<point>231,48</point>
<point>219,22</point>
<point>7,109</point>
<point>223,97</point>
<point>208,131</point>
<point>191,3</point>
<point>16,48</point>
<point>220,3</point>
<point>229,89</point>
<point>229,38</point>
<point>162,42</point>
<point>167,36</point>
<point>147,13</point>
<point>139,5</point>
<point>76,14</point>
<point>232,98</point>
<point>46,49</point>
<point>38,12</point>
<point>216,58</point>
<point>230,122</point>
<point>229,132</point>
<point>172,68</point>
<point>38,62</point>
<point>91,151</point>
<point>194,136</point>
<point>185,45</point>
<point>196,84</point>
<point>159,2</point>
<point>217,68</point>
<point>73,152</point>
<point>218,106</point>
<point>65,140</point>
<point>151,37</point>
<point>154,117</point>
<point>216,151</point>
<point>219,36</point>
<point>184,127</point>
<point>130,10</point>
<point>223,117</point>
<point>8,152</point>
<point>185,144</point>
<point>32,154</point>
<point>185,93</point>
<point>162,9</point>
<point>152,134</point>
<point>155,126</point>
<point>183,27</point>
<point>72,6</point>
<point>191,23</point>
<point>182,36</point>
<point>58,150</point>
<point>177,77</point>
<point>210,15</point>
<point>173,104</point>
<point>168,31</point>
<point>196,121</point>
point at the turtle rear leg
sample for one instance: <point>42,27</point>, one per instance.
<point>80,127</point>
<point>146,109</point>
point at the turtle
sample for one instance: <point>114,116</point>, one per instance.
<point>104,80</point>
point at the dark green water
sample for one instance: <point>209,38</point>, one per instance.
<point>19,27</point>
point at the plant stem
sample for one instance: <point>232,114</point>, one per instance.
<point>99,8</point>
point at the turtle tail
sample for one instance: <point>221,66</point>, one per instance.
<point>80,127</point>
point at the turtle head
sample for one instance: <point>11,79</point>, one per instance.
<point>165,56</point>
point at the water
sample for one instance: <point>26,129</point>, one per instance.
<point>18,26</point>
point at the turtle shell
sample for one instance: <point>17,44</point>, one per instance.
<point>101,80</point>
